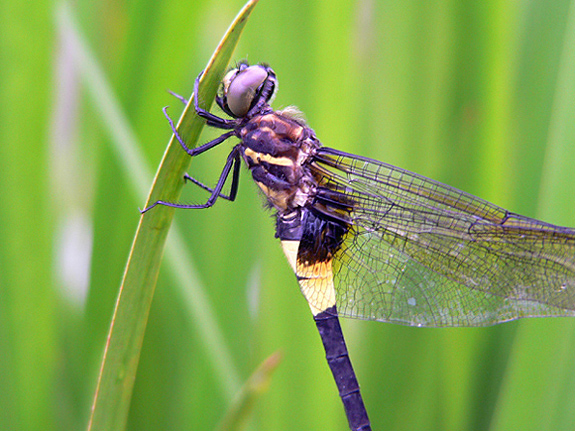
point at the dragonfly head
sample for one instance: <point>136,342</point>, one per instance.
<point>246,88</point>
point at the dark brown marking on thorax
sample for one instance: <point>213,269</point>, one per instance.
<point>275,135</point>
<point>278,150</point>
<point>275,148</point>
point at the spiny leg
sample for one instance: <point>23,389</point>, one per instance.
<point>198,150</point>
<point>181,98</point>
<point>233,189</point>
<point>233,159</point>
<point>211,119</point>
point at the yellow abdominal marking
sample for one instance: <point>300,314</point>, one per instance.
<point>258,157</point>
<point>290,250</point>
<point>315,280</point>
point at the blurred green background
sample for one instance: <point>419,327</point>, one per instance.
<point>480,95</point>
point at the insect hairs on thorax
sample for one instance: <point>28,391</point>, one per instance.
<point>277,149</point>
<point>280,151</point>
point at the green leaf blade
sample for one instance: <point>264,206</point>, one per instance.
<point>118,370</point>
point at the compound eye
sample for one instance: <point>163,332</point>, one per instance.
<point>241,87</point>
<point>228,79</point>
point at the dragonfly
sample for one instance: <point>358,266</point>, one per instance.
<point>368,240</point>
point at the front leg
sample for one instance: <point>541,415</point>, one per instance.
<point>211,119</point>
<point>181,98</point>
<point>204,147</point>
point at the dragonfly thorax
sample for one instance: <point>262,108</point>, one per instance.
<point>277,149</point>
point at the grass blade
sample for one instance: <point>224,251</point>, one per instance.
<point>237,416</point>
<point>127,149</point>
<point>118,371</point>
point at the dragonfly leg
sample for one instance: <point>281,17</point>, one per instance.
<point>199,150</point>
<point>211,119</point>
<point>181,98</point>
<point>232,160</point>
<point>234,186</point>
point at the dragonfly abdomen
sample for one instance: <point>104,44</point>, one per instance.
<point>337,356</point>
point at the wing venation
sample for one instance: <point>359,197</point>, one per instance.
<point>422,253</point>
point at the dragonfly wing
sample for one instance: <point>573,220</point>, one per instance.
<point>422,253</point>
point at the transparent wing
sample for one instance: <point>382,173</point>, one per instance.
<point>423,253</point>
